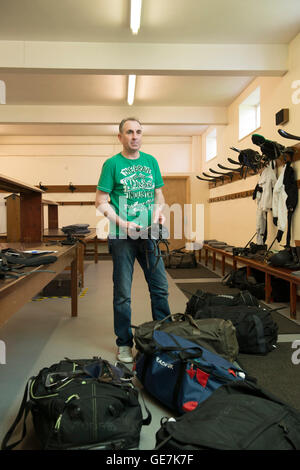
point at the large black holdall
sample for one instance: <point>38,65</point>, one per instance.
<point>237,416</point>
<point>256,331</point>
<point>203,299</point>
<point>254,284</point>
<point>215,334</point>
<point>180,259</point>
<point>82,404</point>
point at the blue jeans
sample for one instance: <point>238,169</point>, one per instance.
<point>124,253</point>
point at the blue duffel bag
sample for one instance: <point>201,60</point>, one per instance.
<point>182,374</point>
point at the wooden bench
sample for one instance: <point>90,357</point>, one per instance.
<point>224,254</point>
<point>281,273</point>
<point>14,293</point>
<point>30,220</point>
<point>51,235</point>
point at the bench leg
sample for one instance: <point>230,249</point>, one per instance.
<point>293,300</point>
<point>206,257</point>
<point>96,250</point>
<point>223,265</point>
<point>74,287</point>
<point>214,261</point>
<point>268,288</point>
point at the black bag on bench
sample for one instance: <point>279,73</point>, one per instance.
<point>82,404</point>
<point>13,261</point>
<point>79,229</point>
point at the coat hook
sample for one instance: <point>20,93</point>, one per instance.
<point>43,188</point>
<point>72,188</point>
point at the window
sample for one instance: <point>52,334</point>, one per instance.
<point>211,145</point>
<point>249,114</point>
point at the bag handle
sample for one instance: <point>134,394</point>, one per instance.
<point>24,410</point>
<point>183,352</point>
<point>160,322</point>
<point>186,316</point>
<point>146,421</point>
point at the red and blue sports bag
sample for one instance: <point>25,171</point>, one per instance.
<point>182,374</point>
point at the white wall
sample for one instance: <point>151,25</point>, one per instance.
<point>61,160</point>
<point>234,221</point>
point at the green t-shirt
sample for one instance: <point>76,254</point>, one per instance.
<point>131,185</point>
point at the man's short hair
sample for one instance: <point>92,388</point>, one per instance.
<point>121,125</point>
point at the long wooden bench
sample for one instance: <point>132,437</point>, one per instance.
<point>14,293</point>
<point>50,235</point>
<point>281,273</point>
<point>214,251</point>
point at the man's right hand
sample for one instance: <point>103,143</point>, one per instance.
<point>132,229</point>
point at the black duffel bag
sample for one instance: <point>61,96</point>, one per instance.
<point>256,331</point>
<point>202,299</point>
<point>237,416</point>
<point>180,259</point>
<point>238,278</point>
<point>82,404</point>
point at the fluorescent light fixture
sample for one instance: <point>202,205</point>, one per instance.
<point>135,15</point>
<point>131,89</point>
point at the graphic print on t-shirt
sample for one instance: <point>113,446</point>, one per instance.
<point>137,181</point>
<point>138,184</point>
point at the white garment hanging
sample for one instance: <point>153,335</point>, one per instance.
<point>264,198</point>
<point>267,182</point>
<point>279,202</point>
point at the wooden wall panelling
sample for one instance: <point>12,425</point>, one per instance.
<point>30,208</point>
<point>13,210</point>
<point>31,220</point>
<point>66,189</point>
<point>52,213</point>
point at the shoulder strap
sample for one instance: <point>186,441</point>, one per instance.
<point>24,410</point>
<point>146,421</point>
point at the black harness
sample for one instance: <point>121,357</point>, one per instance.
<point>157,234</point>
<point>13,262</point>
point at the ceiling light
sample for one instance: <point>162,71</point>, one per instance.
<point>131,89</point>
<point>135,15</point>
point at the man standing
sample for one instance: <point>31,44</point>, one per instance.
<point>132,182</point>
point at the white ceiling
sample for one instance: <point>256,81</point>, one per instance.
<point>163,22</point>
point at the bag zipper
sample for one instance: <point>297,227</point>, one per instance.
<point>210,370</point>
<point>58,421</point>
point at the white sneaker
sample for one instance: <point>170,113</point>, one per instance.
<point>125,354</point>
